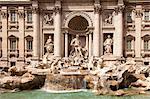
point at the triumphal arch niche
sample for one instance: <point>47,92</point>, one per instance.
<point>78,25</point>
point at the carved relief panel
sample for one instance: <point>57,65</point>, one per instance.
<point>48,19</point>
<point>107,17</point>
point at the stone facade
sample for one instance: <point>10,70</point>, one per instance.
<point>25,26</point>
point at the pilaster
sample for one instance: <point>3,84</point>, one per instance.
<point>21,47</point>
<point>118,35</point>
<point>4,36</point>
<point>138,25</point>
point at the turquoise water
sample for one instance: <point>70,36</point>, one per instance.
<point>36,94</point>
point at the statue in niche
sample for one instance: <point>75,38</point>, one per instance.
<point>49,45</point>
<point>109,18</point>
<point>48,19</point>
<point>107,45</point>
<point>76,47</point>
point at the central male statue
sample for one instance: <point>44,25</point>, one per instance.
<point>76,47</point>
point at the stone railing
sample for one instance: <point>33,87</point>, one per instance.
<point>13,52</point>
<point>13,24</point>
<point>28,52</point>
<point>130,52</point>
<point>130,26</point>
<point>145,52</point>
<point>28,25</point>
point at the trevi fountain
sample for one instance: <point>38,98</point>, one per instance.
<point>76,76</point>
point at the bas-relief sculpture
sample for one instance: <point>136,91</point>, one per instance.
<point>109,19</point>
<point>48,19</point>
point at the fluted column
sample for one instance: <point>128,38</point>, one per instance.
<point>4,35</point>
<point>57,25</point>
<point>36,31</point>
<point>118,35</point>
<point>96,34</point>
<point>21,31</point>
<point>66,44</point>
<point>87,41</point>
<point>90,44</point>
<point>138,22</point>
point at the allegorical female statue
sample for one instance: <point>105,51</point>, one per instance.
<point>49,45</point>
<point>107,45</point>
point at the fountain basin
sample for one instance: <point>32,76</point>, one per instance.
<point>64,82</point>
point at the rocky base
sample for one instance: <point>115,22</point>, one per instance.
<point>63,74</point>
<point>18,79</point>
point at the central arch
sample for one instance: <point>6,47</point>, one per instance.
<point>76,14</point>
<point>78,23</point>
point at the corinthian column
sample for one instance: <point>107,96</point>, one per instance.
<point>57,25</point>
<point>90,44</point>
<point>36,29</point>
<point>118,35</point>
<point>66,44</point>
<point>138,21</point>
<point>96,34</point>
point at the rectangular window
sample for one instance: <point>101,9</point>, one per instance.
<point>13,16</point>
<point>29,45</point>
<point>128,44</point>
<point>29,16</point>
<point>129,17</point>
<point>146,15</point>
<point>146,45</point>
<point>12,45</point>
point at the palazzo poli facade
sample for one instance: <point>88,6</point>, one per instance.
<point>26,25</point>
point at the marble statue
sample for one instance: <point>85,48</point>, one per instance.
<point>76,47</point>
<point>49,45</point>
<point>107,45</point>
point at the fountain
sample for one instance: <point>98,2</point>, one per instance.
<point>104,75</point>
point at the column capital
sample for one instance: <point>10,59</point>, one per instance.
<point>119,9</point>
<point>97,8</point>
<point>138,13</point>
<point>64,30</point>
<point>35,7</point>
<point>21,12</point>
<point>90,30</point>
<point>57,7</point>
<point>4,12</point>
<point>35,10</point>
